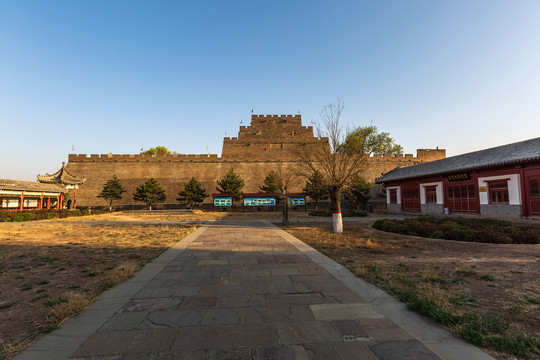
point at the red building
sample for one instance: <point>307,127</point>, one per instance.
<point>26,195</point>
<point>503,181</point>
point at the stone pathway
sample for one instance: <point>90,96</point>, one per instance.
<point>247,290</point>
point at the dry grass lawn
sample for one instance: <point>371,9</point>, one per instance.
<point>52,270</point>
<point>486,293</point>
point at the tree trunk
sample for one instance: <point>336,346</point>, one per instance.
<point>336,206</point>
<point>150,207</point>
<point>110,206</point>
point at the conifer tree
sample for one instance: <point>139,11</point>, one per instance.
<point>358,191</point>
<point>231,183</point>
<point>193,193</point>
<point>316,188</point>
<point>150,193</point>
<point>112,190</point>
<point>273,184</point>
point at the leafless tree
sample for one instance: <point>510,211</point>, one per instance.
<point>332,158</point>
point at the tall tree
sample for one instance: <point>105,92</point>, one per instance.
<point>316,188</point>
<point>338,159</point>
<point>231,183</point>
<point>273,184</point>
<point>150,193</point>
<point>193,193</point>
<point>158,150</point>
<point>358,191</point>
<point>367,140</point>
<point>112,190</point>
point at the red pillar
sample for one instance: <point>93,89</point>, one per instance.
<point>48,203</point>
<point>58,202</point>
<point>21,203</point>
<point>40,205</point>
<point>75,199</point>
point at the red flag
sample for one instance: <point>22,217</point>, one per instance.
<point>72,147</point>
<point>265,148</point>
<point>312,122</point>
<point>299,111</point>
<point>437,148</point>
<point>252,110</point>
<point>240,121</point>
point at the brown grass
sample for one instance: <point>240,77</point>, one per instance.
<point>50,272</point>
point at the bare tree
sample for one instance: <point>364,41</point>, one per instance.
<point>332,158</point>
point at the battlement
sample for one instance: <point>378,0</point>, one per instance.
<point>422,155</point>
<point>141,158</point>
<point>282,118</point>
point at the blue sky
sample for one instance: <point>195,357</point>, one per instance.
<point>115,76</point>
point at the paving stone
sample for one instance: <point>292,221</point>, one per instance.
<point>285,271</point>
<point>221,317</point>
<point>199,302</point>
<point>224,336</point>
<point>302,332</point>
<point>176,318</point>
<point>322,352</point>
<point>344,311</point>
<point>132,341</point>
<point>319,283</point>
<point>355,351</point>
<point>124,321</point>
<point>234,301</point>
<point>161,292</point>
<point>272,353</point>
<point>351,330</point>
<point>284,313</point>
<point>342,297</point>
<point>291,299</point>
<point>238,353</point>
<point>147,305</point>
<point>393,350</point>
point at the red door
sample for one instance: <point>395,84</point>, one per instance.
<point>533,194</point>
<point>411,199</point>
<point>462,198</point>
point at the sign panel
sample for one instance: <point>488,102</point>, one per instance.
<point>482,189</point>
<point>259,201</point>
<point>459,177</point>
<point>297,201</point>
<point>223,201</point>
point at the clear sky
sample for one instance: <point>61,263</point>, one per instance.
<point>115,76</point>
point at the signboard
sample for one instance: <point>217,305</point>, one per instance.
<point>223,201</point>
<point>458,177</point>
<point>297,201</point>
<point>482,189</point>
<point>260,201</point>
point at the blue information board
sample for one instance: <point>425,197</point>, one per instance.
<point>260,201</point>
<point>223,201</point>
<point>297,200</point>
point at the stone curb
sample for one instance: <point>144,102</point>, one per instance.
<point>62,342</point>
<point>443,343</point>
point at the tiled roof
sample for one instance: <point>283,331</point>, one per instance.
<point>515,153</point>
<point>16,185</point>
<point>62,176</point>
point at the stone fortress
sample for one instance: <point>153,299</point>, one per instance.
<point>261,147</point>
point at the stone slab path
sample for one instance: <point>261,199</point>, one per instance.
<point>247,290</point>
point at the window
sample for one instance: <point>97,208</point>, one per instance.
<point>393,196</point>
<point>534,188</point>
<point>498,192</point>
<point>431,194</point>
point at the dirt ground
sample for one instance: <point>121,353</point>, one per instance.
<point>495,279</point>
<point>51,270</point>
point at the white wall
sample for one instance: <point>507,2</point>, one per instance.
<point>398,188</point>
<point>514,188</point>
<point>439,191</point>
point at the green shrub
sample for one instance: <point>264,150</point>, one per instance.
<point>385,225</point>
<point>29,215</point>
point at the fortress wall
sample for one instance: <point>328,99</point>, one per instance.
<point>173,171</point>
<point>172,176</point>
